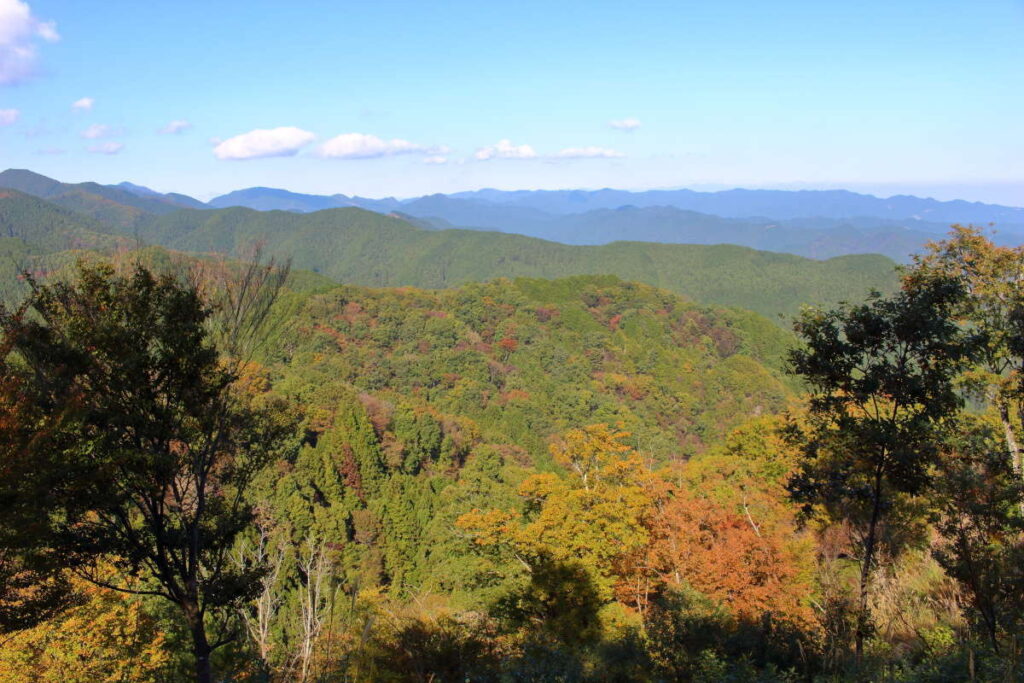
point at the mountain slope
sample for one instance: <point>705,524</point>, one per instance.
<point>523,359</point>
<point>360,247</point>
<point>103,202</point>
<point>44,227</point>
<point>179,200</point>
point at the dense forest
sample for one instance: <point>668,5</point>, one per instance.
<point>220,470</point>
<point>562,463</point>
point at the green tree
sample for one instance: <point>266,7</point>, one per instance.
<point>155,446</point>
<point>993,279</point>
<point>978,497</point>
<point>881,376</point>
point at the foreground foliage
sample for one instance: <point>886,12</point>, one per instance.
<point>582,479</point>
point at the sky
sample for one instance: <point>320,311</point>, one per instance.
<point>403,98</point>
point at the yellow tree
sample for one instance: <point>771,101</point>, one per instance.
<point>107,637</point>
<point>593,520</point>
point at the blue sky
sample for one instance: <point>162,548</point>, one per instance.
<point>406,98</point>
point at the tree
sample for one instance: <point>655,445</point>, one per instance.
<point>32,584</point>
<point>728,530</point>
<point>978,497</point>
<point>993,280</point>
<point>881,376</point>
<point>155,447</point>
<point>583,532</point>
<point>105,636</point>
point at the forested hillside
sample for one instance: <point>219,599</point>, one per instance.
<point>529,479</point>
<point>525,360</point>
<point>102,202</point>
<point>356,246</point>
<point>361,247</point>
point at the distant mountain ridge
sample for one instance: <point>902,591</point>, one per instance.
<point>737,203</point>
<point>815,224</point>
<point>358,246</point>
<point>272,199</point>
<point>818,224</point>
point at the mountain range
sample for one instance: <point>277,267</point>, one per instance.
<point>816,224</point>
<point>358,246</point>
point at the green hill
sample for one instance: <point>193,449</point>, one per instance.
<point>111,205</point>
<point>360,247</point>
<point>44,227</point>
<point>525,359</point>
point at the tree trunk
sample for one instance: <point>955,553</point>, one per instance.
<point>200,645</point>
<point>1011,442</point>
<point>1011,438</point>
<point>865,570</point>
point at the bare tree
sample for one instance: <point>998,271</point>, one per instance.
<point>241,295</point>
<point>260,616</point>
<point>315,568</point>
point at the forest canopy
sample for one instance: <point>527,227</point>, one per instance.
<point>215,470</point>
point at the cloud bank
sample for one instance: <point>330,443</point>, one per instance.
<point>20,34</point>
<point>504,149</point>
<point>360,146</point>
<point>261,143</point>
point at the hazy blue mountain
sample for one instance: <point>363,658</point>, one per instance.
<point>483,207</point>
<point>140,190</point>
<point>182,200</point>
<point>272,199</point>
<point>819,224</point>
<point>777,204</point>
<point>813,237</point>
<point>760,219</point>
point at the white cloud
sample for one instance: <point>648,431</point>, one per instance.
<point>20,33</point>
<point>51,151</point>
<point>83,104</point>
<point>175,127</point>
<point>436,160</point>
<point>106,148</point>
<point>8,116</point>
<point>285,141</point>
<point>97,131</point>
<point>504,149</point>
<point>589,153</point>
<point>360,146</point>
<point>625,124</point>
